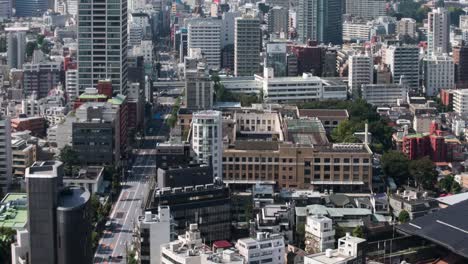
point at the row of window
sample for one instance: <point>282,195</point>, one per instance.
<point>290,160</point>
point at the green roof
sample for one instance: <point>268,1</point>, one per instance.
<point>14,214</point>
<point>117,100</point>
<point>92,96</point>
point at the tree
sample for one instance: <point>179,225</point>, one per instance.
<point>403,217</point>
<point>395,164</point>
<point>30,47</point>
<point>344,132</point>
<point>69,157</point>
<point>423,172</point>
<point>339,232</point>
<point>449,185</point>
<point>358,232</point>
<point>6,239</point>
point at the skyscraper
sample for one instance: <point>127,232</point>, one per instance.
<point>5,8</point>
<point>404,61</point>
<point>6,157</point>
<point>31,8</point>
<point>438,32</point>
<point>102,38</point>
<point>320,20</point>
<point>247,44</point>
<point>16,47</point>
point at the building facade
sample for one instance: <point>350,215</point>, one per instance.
<point>367,9</point>
<point>438,31</point>
<point>205,34</point>
<point>439,73</point>
<point>361,71</point>
<point>404,61</point>
<point>6,162</point>
<point>247,44</point>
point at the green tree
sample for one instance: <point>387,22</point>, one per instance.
<point>7,236</point>
<point>455,188</point>
<point>30,47</point>
<point>403,217</point>
<point>344,132</point>
<point>69,157</point>
<point>339,232</point>
<point>358,231</point>
<point>131,257</point>
<point>449,185</point>
<point>423,173</point>
<point>395,164</point>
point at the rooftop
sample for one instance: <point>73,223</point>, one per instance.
<point>322,113</point>
<point>73,197</point>
<point>13,211</point>
<point>87,173</point>
<point>453,199</point>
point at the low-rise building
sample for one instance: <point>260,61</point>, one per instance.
<point>275,219</point>
<point>37,125</point>
<point>330,118</point>
<point>91,178</point>
<point>415,203</point>
<point>24,155</point>
<point>351,250</point>
<point>319,234</point>
<point>14,211</point>
<point>185,175</point>
<point>384,94</point>
<point>265,248</point>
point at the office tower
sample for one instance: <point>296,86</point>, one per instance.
<point>407,27</point>
<point>5,8</point>
<point>276,59</point>
<point>205,34</point>
<point>102,53</point>
<point>367,9</point>
<point>207,139</point>
<point>6,157</point>
<point>439,73</point>
<point>31,8</point>
<point>320,20</point>
<point>438,32</point>
<point>16,47</point>
<point>40,76</point>
<point>247,44</point>
<point>361,71</point>
<point>71,84</point>
<point>460,58</point>
<point>227,27</point>
<point>278,21</point>
<point>198,86</point>
<point>404,61</point>
<point>59,223</point>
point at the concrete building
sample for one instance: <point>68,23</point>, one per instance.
<point>205,34</point>
<point>438,31</point>
<point>54,214</point>
<point>439,73</point>
<point>264,248</point>
<point>367,9</point>
<point>5,9</point>
<point>28,8</point>
<point>278,21</point>
<point>384,94</point>
<point>407,27</point>
<point>361,71</point>
<point>460,102</point>
<point>39,77</point>
<point>460,58</point>
<point>16,46</point>
<point>415,203</point>
<point>24,155</point>
<point>152,231</point>
<point>351,250</point>
<point>320,20</point>
<point>276,58</point>
<point>330,118</point>
<point>247,45</point>
<point>198,86</point>
<point>71,84</point>
<point>102,53</point>
<point>356,30</point>
<point>319,234</point>
<point>91,178</point>
<point>6,157</point>
<point>207,140</point>
<point>404,61</point>
<point>184,175</point>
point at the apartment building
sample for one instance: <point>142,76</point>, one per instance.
<point>460,101</point>
<point>265,248</point>
<point>319,234</point>
<point>384,94</point>
<point>24,155</point>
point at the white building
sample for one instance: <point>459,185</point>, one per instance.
<point>30,107</point>
<point>460,102</point>
<point>247,44</point>
<point>438,31</point>
<point>292,89</point>
<point>265,248</point>
<point>207,139</point>
<point>71,84</point>
<point>350,250</point>
<point>20,249</point>
<point>145,49</point>
<point>356,30</point>
<point>384,94</point>
<point>228,22</point>
<point>205,34</point>
<point>6,157</point>
<point>404,61</point>
<point>153,231</point>
<point>439,73</point>
<point>243,85</point>
<point>407,27</point>
<point>361,71</point>
<point>319,233</point>
<point>367,9</point>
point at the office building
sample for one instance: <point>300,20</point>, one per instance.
<point>460,58</point>
<point>208,205</point>
<point>39,77</point>
<point>439,73</point>
<point>407,27</point>
<point>16,47</point>
<point>367,9</point>
<point>205,35</point>
<point>351,250</point>
<point>207,139</point>
<point>28,8</point>
<point>276,58</point>
<point>320,20</point>
<point>404,61</point>
<point>24,155</point>
<point>460,102</point>
<point>58,216</point>
<point>356,30</point>
<point>384,94</point>
<point>265,248</point>
<point>361,71</point>
<point>319,234</point>
<point>102,53</point>
<point>309,59</point>
<point>184,175</point>
<point>278,21</point>
<point>6,157</point>
<point>198,86</point>
<point>5,8</point>
<point>247,45</point>
<point>438,31</point>
<point>153,230</point>
<point>171,154</point>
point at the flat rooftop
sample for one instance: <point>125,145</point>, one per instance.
<point>324,113</point>
<point>13,211</point>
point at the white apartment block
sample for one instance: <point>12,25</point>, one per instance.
<point>292,89</point>
<point>384,94</point>
<point>6,153</point>
<point>438,31</point>
<point>404,61</point>
<point>30,107</point>
<point>154,230</point>
<point>367,9</point>
<point>356,30</point>
<point>207,139</point>
<point>361,71</point>
<point>439,73</point>
<point>460,102</point>
<point>205,35</point>
<point>319,234</point>
<point>265,248</point>
<point>247,44</point>
<point>406,26</point>
<point>350,250</point>
<point>71,84</point>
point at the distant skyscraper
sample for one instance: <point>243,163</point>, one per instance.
<point>438,32</point>
<point>31,8</point>
<point>247,43</point>
<point>278,21</point>
<point>320,20</point>
<point>16,47</point>
<point>5,8</point>
<point>102,38</point>
<point>6,157</point>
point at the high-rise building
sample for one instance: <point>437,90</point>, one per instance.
<point>6,157</point>
<point>320,20</point>
<point>438,31</point>
<point>404,61</point>
<point>5,8</point>
<point>367,9</point>
<point>439,73</point>
<point>57,215</point>
<point>278,21</point>
<point>40,77</point>
<point>71,84</point>
<point>16,47</point>
<point>205,34</point>
<point>207,139</point>
<point>361,71</point>
<point>406,27</point>
<point>102,52</point>
<point>460,58</point>
<point>30,8</point>
<point>247,45</point>
<point>198,86</point>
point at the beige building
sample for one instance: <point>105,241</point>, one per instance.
<point>24,155</point>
